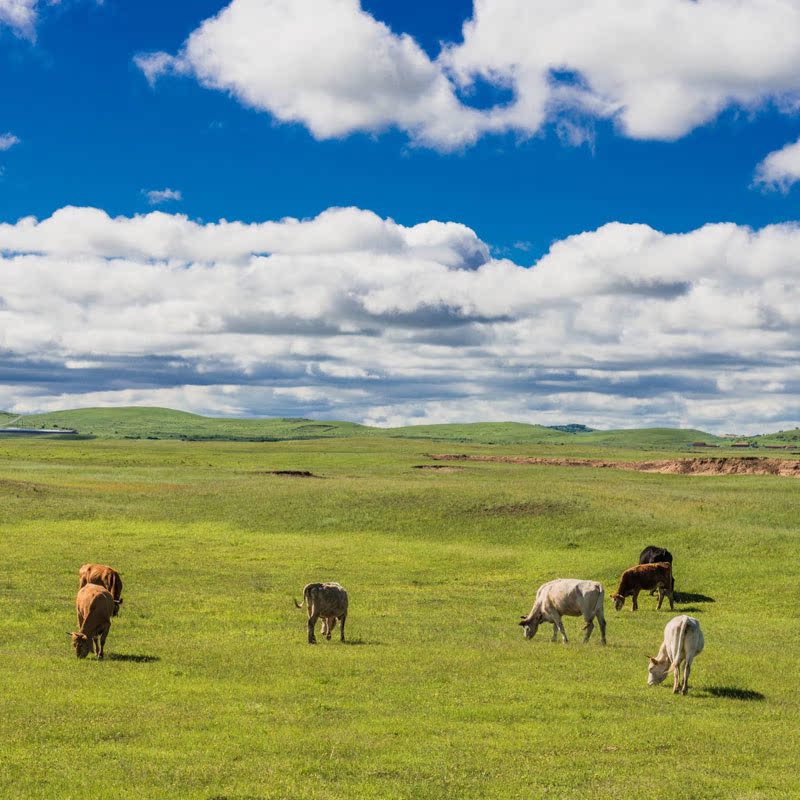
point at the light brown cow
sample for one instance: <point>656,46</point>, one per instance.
<point>95,607</point>
<point>646,577</point>
<point>102,575</point>
<point>328,601</point>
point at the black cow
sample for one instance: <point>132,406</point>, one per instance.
<point>654,555</point>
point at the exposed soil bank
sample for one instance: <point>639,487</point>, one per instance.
<point>750,465</point>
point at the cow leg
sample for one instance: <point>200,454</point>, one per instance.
<point>103,642</point>
<point>588,627</point>
<point>686,669</point>
<point>660,597</point>
<point>312,621</point>
<point>341,629</point>
<point>331,621</point>
<point>635,599</point>
<point>677,682</point>
<point>555,633</point>
<point>558,621</point>
<point>671,597</point>
<point>601,621</point>
<point>324,628</point>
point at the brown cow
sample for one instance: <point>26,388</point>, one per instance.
<point>326,600</point>
<point>645,577</point>
<point>102,576</point>
<point>95,607</point>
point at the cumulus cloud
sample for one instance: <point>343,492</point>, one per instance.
<point>353,316</point>
<point>780,169</point>
<point>649,66</point>
<point>7,141</point>
<point>20,16</point>
<point>157,196</point>
<point>325,63</point>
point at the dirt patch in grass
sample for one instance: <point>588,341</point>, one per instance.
<point>526,508</point>
<point>749,465</point>
<point>437,467</point>
<point>287,473</point>
<point>7,485</point>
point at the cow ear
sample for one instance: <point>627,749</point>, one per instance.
<point>69,633</point>
<point>522,621</point>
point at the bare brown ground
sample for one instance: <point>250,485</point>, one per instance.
<point>751,465</point>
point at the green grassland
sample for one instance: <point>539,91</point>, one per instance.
<point>209,689</point>
<point>165,423</point>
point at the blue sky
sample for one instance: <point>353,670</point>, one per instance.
<point>89,130</point>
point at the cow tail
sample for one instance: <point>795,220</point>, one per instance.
<point>681,637</point>
<point>299,605</point>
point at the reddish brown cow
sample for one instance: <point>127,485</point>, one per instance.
<point>95,607</point>
<point>645,577</point>
<point>105,576</point>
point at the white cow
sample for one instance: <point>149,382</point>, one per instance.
<point>567,597</point>
<point>683,640</point>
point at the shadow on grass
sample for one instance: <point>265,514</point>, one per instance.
<point>733,693</point>
<point>687,597</point>
<point>692,610</point>
<point>360,643</point>
<point>136,659</point>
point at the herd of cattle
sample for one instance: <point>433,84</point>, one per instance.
<point>100,596</point>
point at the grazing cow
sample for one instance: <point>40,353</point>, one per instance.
<point>326,600</point>
<point>95,607</point>
<point>653,555</point>
<point>645,577</point>
<point>566,597</point>
<point>683,640</point>
<point>102,576</point>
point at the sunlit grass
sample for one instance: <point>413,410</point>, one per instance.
<point>210,690</point>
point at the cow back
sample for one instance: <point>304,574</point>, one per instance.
<point>652,555</point>
<point>326,599</point>
<point>95,605</point>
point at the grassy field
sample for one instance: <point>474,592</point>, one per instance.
<point>209,689</point>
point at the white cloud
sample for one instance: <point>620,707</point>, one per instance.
<point>352,316</point>
<point>7,141</point>
<point>325,63</point>
<point>780,169</point>
<point>20,16</point>
<point>157,196</point>
<point>660,68</point>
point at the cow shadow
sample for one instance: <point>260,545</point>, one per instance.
<point>136,659</point>
<point>360,643</point>
<point>734,693</point>
<point>688,597</point>
<point>692,610</point>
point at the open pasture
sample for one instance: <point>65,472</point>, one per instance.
<point>209,689</point>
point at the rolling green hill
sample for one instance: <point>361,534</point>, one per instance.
<point>164,423</point>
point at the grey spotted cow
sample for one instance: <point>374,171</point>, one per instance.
<point>328,601</point>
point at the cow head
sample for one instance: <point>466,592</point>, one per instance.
<point>117,604</point>
<point>82,644</point>
<point>530,624</point>
<point>619,601</point>
<point>656,671</point>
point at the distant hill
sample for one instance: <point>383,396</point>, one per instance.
<point>655,438</point>
<point>165,423</point>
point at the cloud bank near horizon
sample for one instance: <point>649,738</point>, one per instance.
<point>352,316</point>
<point>646,66</point>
